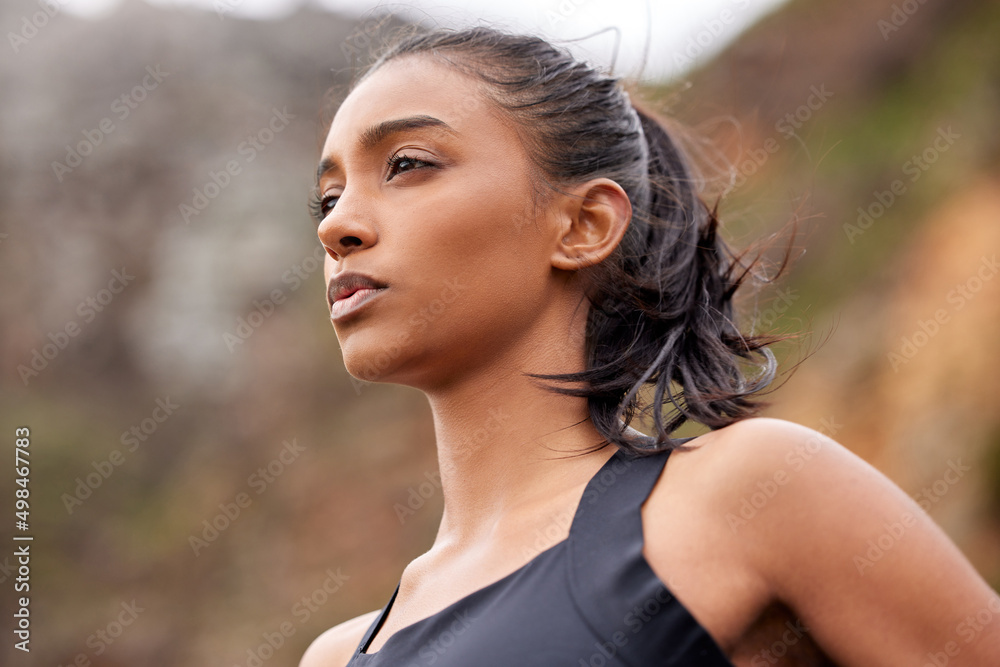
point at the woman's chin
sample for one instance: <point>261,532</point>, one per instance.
<point>372,360</point>
<point>369,368</point>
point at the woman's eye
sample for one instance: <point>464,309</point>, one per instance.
<point>402,163</point>
<point>327,203</point>
<point>320,207</point>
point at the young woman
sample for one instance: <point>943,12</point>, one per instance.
<point>507,233</point>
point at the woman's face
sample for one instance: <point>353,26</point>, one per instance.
<point>425,189</point>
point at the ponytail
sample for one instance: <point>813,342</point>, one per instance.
<point>662,315</point>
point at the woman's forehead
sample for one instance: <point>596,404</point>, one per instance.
<point>406,87</point>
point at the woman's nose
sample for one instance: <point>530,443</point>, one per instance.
<point>345,231</point>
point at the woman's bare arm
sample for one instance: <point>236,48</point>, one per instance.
<point>875,580</point>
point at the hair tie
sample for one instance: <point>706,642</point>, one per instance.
<point>642,200</point>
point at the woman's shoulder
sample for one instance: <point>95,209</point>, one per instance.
<point>766,511</point>
<point>762,455</point>
<point>335,647</point>
<point>719,520</point>
<point>756,479</point>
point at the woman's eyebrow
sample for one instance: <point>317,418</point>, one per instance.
<point>378,133</point>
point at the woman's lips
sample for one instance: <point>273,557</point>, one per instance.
<point>349,305</point>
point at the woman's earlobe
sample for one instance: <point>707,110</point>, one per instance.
<point>597,215</point>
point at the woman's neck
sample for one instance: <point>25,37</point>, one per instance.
<point>504,450</point>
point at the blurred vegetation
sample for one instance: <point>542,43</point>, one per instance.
<point>363,450</point>
<point>863,286</point>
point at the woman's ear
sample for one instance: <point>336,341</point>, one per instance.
<point>592,221</point>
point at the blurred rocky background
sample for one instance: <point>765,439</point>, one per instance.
<point>210,487</point>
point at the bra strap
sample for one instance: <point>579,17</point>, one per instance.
<point>616,590</point>
<point>376,624</point>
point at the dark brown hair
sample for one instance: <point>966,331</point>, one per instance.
<point>661,305</point>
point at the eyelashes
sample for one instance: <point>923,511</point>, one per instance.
<point>396,161</point>
<point>320,205</point>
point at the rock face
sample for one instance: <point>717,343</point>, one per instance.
<point>911,373</point>
<point>204,462</point>
<point>897,167</point>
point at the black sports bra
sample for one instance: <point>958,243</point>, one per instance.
<point>590,600</point>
